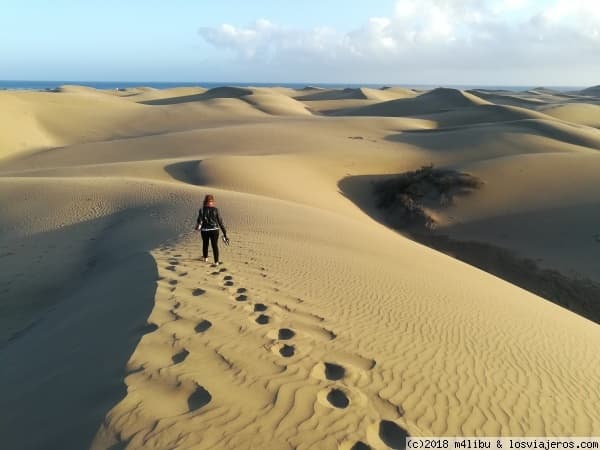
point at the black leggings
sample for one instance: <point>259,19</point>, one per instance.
<point>213,236</point>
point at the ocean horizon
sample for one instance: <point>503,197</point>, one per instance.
<point>54,84</point>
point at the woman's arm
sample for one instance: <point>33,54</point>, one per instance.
<point>221,223</point>
<point>199,219</point>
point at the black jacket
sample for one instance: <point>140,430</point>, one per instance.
<point>210,219</point>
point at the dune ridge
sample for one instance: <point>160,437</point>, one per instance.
<point>439,99</point>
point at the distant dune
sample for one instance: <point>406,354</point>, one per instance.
<point>324,327</point>
<point>592,91</point>
<point>509,99</point>
<point>581,113</point>
<point>357,94</point>
<point>440,99</point>
<point>271,101</point>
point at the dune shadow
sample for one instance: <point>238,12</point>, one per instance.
<point>219,92</point>
<point>186,171</point>
<point>174,100</point>
<point>334,94</point>
<point>579,295</point>
<point>457,138</point>
<point>62,374</point>
<point>119,446</point>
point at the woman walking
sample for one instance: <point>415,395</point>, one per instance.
<point>209,221</point>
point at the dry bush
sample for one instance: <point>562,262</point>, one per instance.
<point>407,194</point>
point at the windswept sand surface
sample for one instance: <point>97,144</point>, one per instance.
<point>323,328</point>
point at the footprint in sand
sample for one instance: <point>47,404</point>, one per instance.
<point>197,292</point>
<point>171,268</point>
<point>241,290</point>
<point>228,283</point>
<point>202,326</point>
<point>337,398</point>
<point>287,351</point>
<point>333,372</point>
<point>334,397</point>
<point>285,334</point>
<point>360,445</point>
<point>241,298</point>
<point>199,398</point>
<point>227,277</point>
<point>262,319</point>
<point>178,358</point>
<point>183,274</point>
<point>173,282</point>
<point>392,435</point>
<point>329,371</point>
<point>260,307</point>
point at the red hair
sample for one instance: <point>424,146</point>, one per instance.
<point>209,200</point>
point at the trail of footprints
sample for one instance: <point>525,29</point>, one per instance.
<point>336,395</point>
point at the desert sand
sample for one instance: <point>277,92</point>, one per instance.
<point>324,327</point>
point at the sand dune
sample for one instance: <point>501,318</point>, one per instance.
<point>439,99</point>
<point>509,99</point>
<point>335,94</point>
<point>275,102</point>
<point>358,94</point>
<point>482,114</point>
<point>565,182</point>
<point>21,129</point>
<point>38,120</point>
<point>337,102</point>
<point>159,96</point>
<point>277,105</point>
<point>543,91</point>
<point>593,91</point>
<point>227,92</point>
<point>491,140</point>
<point>581,113</point>
<point>323,328</point>
<point>263,134</point>
<point>35,121</point>
<point>534,98</point>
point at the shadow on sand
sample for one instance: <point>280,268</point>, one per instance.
<point>579,295</point>
<point>188,172</point>
<point>62,375</point>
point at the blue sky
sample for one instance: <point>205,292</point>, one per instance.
<point>521,42</point>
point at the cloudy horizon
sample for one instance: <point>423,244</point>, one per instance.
<point>426,42</point>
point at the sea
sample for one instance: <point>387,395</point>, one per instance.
<point>49,85</point>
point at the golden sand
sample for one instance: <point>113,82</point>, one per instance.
<point>323,328</point>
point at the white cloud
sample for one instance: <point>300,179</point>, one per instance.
<point>450,36</point>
